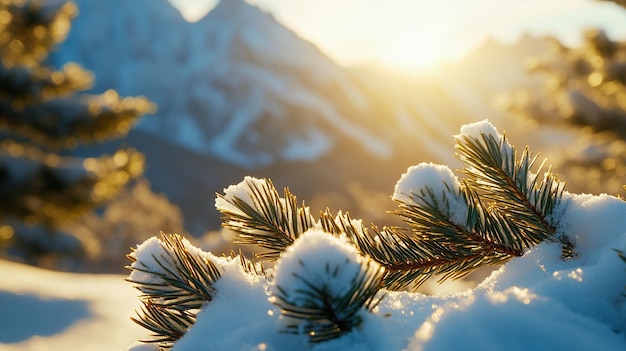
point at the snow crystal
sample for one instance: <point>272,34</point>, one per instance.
<point>434,177</point>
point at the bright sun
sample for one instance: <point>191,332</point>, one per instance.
<point>417,36</point>
<point>421,50</point>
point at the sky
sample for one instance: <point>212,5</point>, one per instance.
<point>419,33</point>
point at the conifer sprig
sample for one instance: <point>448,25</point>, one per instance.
<point>411,259</point>
<point>167,325</point>
<point>500,210</point>
<point>184,279</point>
<point>508,186</point>
<point>174,290</point>
<point>265,219</point>
<point>508,208</point>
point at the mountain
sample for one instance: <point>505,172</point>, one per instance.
<point>240,94</point>
<point>236,85</point>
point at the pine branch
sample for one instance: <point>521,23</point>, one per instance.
<point>507,210</point>
<point>410,260</point>
<point>173,290</point>
<point>498,212</point>
<point>510,186</point>
<point>264,219</point>
<point>166,324</point>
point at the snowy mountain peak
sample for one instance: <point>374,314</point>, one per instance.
<point>236,84</point>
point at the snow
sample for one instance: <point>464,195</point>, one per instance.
<point>44,310</point>
<point>240,191</point>
<point>481,127</point>
<point>441,181</point>
<point>322,260</point>
<point>484,128</point>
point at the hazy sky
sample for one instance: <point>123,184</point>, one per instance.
<point>414,33</point>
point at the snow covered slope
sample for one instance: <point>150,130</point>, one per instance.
<point>236,84</point>
<point>45,310</point>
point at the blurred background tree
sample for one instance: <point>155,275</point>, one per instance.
<point>44,111</point>
<point>584,90</point>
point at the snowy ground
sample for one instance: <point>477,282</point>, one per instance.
<point>44,310</point>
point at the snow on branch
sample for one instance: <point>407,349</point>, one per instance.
<point>176,279</point>
<point>322,285</point>
<point>255,210</point>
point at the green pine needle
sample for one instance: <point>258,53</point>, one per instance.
<point>509,186</point>
<point>410,260</point>
<point>184,284</point>
<point>167,325</point>
<point>323,315</point>
<point>270,221</point>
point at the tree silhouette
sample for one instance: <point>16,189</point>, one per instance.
<point>585,90</point>
<point>43,111</point>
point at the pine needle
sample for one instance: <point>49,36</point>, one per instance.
<point>270,221</point>
<point>324,315</point>
<point>183,284</point>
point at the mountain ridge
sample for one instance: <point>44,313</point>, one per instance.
<point>221,80</point>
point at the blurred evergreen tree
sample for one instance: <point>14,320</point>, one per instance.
<point>42,112</point>
<point>585,89</point>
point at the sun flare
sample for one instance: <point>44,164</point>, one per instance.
<point>416,37</point>
<point>413,52</point>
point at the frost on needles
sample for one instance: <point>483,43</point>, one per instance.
<point>324,274</point>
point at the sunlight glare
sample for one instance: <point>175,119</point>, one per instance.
<point>416,37</point>
<point>419,50</point>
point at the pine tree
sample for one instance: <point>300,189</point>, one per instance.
<point>504,206</point>
<point>42,112</point>
<point>585,90</point>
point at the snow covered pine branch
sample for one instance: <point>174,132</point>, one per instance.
<point>336,285</point>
